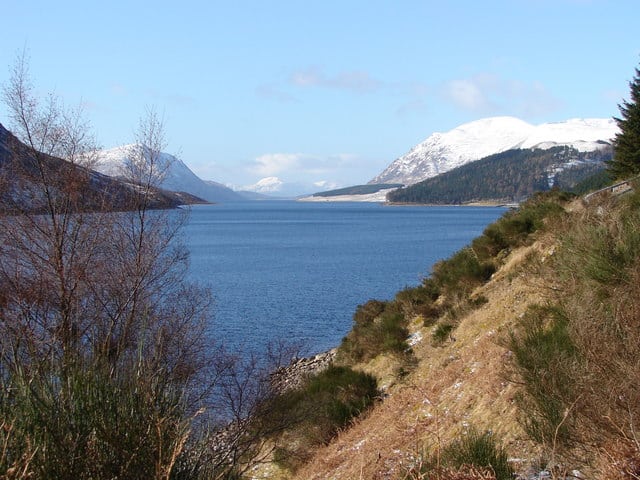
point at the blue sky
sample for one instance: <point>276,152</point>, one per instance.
<point>320,91</point>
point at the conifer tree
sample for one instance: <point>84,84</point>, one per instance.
<point>626,158</point>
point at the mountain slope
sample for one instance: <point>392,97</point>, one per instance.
<point>179,177</point>
<point>472,141</point>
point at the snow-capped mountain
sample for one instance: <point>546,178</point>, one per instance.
<point>472,141</point>
<point>178,176</point>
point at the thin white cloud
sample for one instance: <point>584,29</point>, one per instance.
<point>272,92</point>
<point>326,184</point>
<point>489,94</point>
<point>468,95</point>
<point>271,164</point>
<point>354,81</point>
<point>118,89</point>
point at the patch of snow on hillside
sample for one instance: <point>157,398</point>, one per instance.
<point>177,176</point>
<point>377,197</point>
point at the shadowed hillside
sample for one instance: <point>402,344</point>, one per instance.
<point>21,170</point>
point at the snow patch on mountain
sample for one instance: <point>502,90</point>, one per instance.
<point>177,177</point>
<point>472,141</point>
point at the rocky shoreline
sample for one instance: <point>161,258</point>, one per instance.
<point>292,376</point>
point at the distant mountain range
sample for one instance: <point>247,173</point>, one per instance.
<point>21,191</point>
<point>442,152</point>
<point>178,178</point>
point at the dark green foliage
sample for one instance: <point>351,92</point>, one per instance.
<point>511,176</point>
<point>626,159</point>
<point>479,450</point>
<point>514,228</point>
<point>339,394</point>
<point>544,356</point>
<point>92,425</point>
<point>598,180</point>
<point>462,272</point>
<point>378,327</point>
<point>326,404</point>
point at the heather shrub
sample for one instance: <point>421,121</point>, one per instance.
<point>479,450</point>
<point>441,333</point>
<point>461,273</point>
<point>515,228</point>
<point>379,327</point>
<point>545,357</point>
<point>419,301</point>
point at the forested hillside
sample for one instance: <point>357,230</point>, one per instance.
<point>511,176</point>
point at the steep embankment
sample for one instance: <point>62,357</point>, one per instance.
<point>454,386</point>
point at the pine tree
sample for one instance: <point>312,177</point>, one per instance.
<point>626,158</point>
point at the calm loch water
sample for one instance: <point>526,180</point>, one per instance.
<point>297,271</point>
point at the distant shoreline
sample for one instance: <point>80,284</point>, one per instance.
<point>380,197</point>
<point>486,203</point>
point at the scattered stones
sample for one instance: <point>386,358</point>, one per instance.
<point>293,375</point>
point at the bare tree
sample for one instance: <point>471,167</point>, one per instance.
<point>102,345</point>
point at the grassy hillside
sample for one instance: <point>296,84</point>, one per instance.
<point>510,176</point>
<point>517,354</point>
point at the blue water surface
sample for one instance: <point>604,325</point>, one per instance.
<point>295,271</point>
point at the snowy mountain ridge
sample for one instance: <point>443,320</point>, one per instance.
<point>178,177</point>
<point>472,141</point>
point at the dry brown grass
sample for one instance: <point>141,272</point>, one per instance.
<point>466,472</point>
<point>452,387</point>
